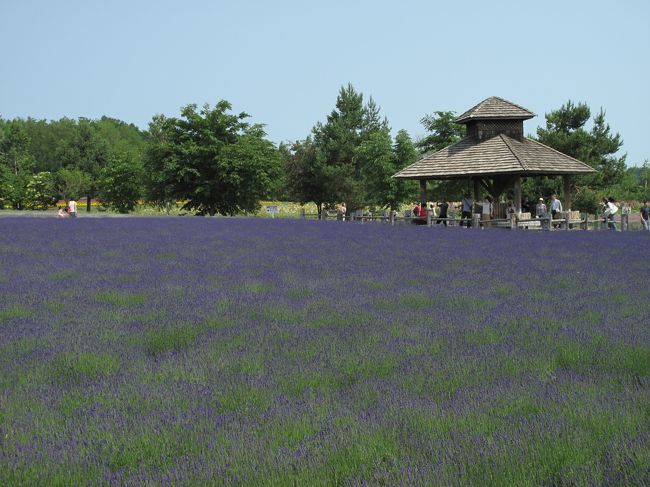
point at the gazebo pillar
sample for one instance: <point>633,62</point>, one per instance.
<point>517,191</point>
<point>423,193</point>
<point>567,192</point>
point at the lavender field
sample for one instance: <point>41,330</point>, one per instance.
<point>189,351</point>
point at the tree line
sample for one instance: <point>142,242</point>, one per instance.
<point>217,162</point>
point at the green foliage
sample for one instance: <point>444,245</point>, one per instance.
<point>212,159</point>
<point>15,311</point>
<point>16,165</point>
<point>77,366</point>
<point>120,183</point>
<point>72,183</point>
<point>169,339</point>
<point>443,131</point>
<point>307,178</point>
<point>565,131</point>
<point>40,192</point>
<point>380,161</point>
<point>586,200</point>
<point>85,151</point>
<point>348,158</point>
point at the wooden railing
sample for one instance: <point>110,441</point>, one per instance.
<point>572,220</point>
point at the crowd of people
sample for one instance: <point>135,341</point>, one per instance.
<point>540,211</point>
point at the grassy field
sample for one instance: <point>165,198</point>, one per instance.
<point>149,351</point>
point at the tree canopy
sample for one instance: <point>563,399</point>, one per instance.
<point>212,159</point>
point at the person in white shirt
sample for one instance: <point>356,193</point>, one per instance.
<point>556,208</point>
<point>610,211</point>
<point>72,207</point>
<point>540,209</point>
<point>486,212</point>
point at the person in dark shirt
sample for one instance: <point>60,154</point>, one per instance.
<point>645,215</point>
<point>467,206</point>
<point>444,206</point>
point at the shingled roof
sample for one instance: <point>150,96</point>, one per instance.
<point>495,108</point>
<point>498,155</point>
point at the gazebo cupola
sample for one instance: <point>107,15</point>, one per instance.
<point>494,116</point>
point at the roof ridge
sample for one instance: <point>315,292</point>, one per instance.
<point>485,109</point>
<point>511,103</point>
<point>505,138</point>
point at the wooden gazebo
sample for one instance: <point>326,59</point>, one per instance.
<point>495,154</point>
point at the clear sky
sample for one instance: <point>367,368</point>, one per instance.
<point>284,61</point>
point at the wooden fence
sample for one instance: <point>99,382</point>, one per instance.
<point>571,220</point>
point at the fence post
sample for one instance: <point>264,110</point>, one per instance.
<point>429,213</point>
<point>302,213</point>
<point>568,218</point>
<point>476,220</point>
<point>513,221</point>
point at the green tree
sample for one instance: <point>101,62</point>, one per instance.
<point>306,173</point>
<point>17,164</point>
<point>342,163</point>
<point>565,131</point>
<point>337,141</point>
<point>87,152</point>
<point>443,131</point>
<point>380,160</point>
<point>40,192</point>
<point>120,183</point>
<point>214,160</point>
<point>71,182</point>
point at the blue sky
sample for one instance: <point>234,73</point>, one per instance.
<point>284,61</point>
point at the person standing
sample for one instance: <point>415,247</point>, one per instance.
<point>486,212</point>
<point>444,206</point>
<point>610,211</point>
<point>466,207</point>
<point>625,216</point>
<point>540,209</point>
<point>556,208</point>
<point>72,208</point>
<point>645,215</point>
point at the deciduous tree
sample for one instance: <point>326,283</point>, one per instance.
<point>214,160</point>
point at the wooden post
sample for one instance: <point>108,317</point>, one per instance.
<point>302,213</point>
<point>567,192</point>
<point>392,217</point>
<point>513,221</point>
<point>429,216</point>
<point>568,218</point>
<point>477,195</point>
<point>423,193</point>
<point>517,191</point>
